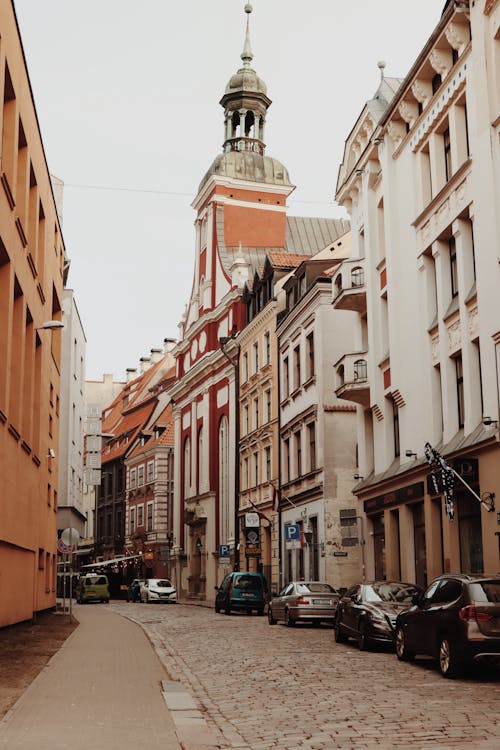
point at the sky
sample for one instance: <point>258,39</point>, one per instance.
<point>127,95</point>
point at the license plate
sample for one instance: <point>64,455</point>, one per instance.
<point>248,596</point>
<point>325,602</point>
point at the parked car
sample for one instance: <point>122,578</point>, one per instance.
<point>368,611</point>
<point>457,621</point>
<point>92,587</point>
<point>241,592</point>
<point>134,590</point>
<point>305,601</point>
<point>157,590</point>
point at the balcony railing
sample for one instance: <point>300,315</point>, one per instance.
<point>351,372</point>
<point>349,290</point>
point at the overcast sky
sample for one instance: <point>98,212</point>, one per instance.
<point>127,96</point>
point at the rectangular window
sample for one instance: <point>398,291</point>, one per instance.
<point>256,468</point>
<point>245,420</point>
<point>132,522</point>
<point>312,446</point>
<point>267,451</point>
<point>286,459</point>
<point>256,412</point>
<point>140,515</point>
<point>245,367</point>
<point>150,472</point>
<point>447,154</point>
<point>298,454</point>
<point>310,356</point>
<point>256,357</point>
<point>286,379</point>
<point>395,424</point>
<point>296,367</point>
<point>460,389</point>
<point>149,517</point>
<point>267,348</point>
<point>245,474</point>
<point>453,266</point>
<point>268,406</point>
<point>140,476</point>
<point>133,478</point>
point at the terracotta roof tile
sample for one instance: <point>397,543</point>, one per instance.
<point>286,260</point>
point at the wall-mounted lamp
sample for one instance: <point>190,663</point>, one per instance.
<point>198,545</point>
<point>488,421</point>
<point>50,325</point>
<point>51,453</point>
<point>358,477</point>
<point>411,454</point>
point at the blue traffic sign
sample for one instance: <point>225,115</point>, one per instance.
<point>224,550</point>
<point>292,532</point>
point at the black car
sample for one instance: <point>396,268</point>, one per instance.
<point>368,611</point>
<point>457,621</point>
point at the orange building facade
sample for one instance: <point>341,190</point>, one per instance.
<point>32,267</point>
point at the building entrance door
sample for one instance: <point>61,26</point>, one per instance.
<point>470,534</point>
<point>419,543</point>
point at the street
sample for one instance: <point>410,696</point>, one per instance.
<point>276,687</point>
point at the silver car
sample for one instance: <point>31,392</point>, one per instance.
<point>306,601</point>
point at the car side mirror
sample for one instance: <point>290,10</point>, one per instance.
<point>416,599</point>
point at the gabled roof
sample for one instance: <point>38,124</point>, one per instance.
<point>165,438</point>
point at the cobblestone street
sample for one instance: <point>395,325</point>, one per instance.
<point>266,687</point>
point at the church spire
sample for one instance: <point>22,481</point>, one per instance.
<point>247,54</point>
<point>245,103</point>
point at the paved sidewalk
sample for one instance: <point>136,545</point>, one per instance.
<point>102,690</point>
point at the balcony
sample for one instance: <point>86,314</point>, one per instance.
<point>349,290</point>
<point>351,373</point>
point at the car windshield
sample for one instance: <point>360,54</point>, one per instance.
<point>486,591</point>
<point>400,593</point>
<point>248,582</point>
<point>163,584</point>
<point>315,588</point>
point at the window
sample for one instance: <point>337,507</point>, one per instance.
<point>395,424</point>
<point>360,369</point>
<point>150,471</point>
<point>256,357</point>
<point>447,154</point>
<point>312,446</point>
<point>286,458</point>
<point>357,277</point>
<point>245,420</point>
<point>132,522</point>
<point>140,476</point>
<point>199,458</point>
<point>256,412</point>
<point>245,367</point>
<point>286,378</point>
<point>149,517</point>
<point>436,83</point>
<point>298,455</point>
<point>267,348</point>
<point>268,406</point>
<point>245,474</point>
<point>187,466</point>
<point>256,469</point>
<point>267,454</point>
<point>460,389</point>
<point>296,366</point>
<point>140,515</point>
<point>310,356</point>
<point>453,267</point>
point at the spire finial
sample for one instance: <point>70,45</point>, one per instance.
<point>247,54</point>
<point>381,67</point>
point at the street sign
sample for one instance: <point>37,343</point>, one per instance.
<point>252,521</point>
<point>224,550</point>
<point>340,554</point>
<point>292,532</point>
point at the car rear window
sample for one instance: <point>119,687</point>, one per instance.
<point>315,588</point>
<point>95,581</point>
<point>486,591</point>
<point>248,582</point>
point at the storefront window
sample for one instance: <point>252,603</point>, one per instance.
<point>470,534</point>
<point>379,546</point>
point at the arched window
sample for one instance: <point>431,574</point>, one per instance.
<point>187,467</point>
<point>338,285</point>
<point>357,276</point>
<point>249,125</point>
<point>360,369</point>
<point>341,375</point>
<point>225,526</point>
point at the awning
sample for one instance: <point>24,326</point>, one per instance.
<point>114,561</point>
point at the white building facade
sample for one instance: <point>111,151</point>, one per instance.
<point>420,179</point>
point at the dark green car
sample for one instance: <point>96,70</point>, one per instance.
<point>243,592</point>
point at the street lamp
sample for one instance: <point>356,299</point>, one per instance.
<point>234,361</point>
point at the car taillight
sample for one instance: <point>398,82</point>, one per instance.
<point>471,613</point>
<point>301,600</point>
<point>230,589</point>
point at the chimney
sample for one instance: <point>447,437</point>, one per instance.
<point>156,355</point>
<point>144,364</point>
<point>168,345</point>
<point>131,372</point>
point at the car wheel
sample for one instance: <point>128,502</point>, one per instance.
<point>227,609</point>
<point>270,617</point>
<point>248,611</point>
<point>289,621</point>
<point>402,651</point>
<point>340,636</point>
<point>260,612</point>
<point>450,664</point>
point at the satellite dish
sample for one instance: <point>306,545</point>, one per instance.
<point>70,537</point>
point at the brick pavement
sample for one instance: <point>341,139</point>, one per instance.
<point>263,687</point>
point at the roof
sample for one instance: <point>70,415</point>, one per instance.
<point>281,259</point>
